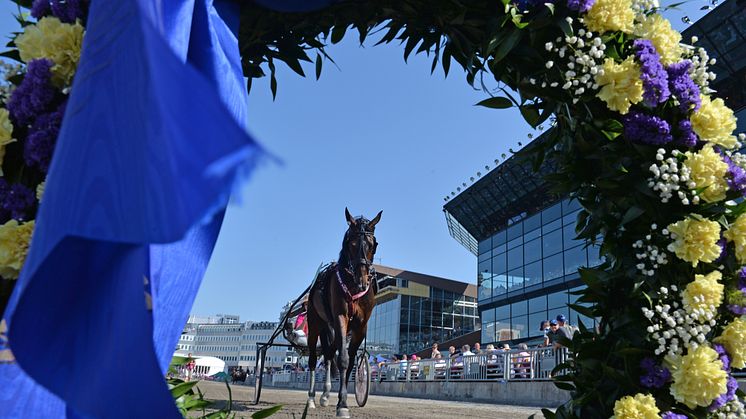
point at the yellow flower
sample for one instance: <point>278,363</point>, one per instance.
<point>40,190</point>
<point>14,242</point>
<point>6,135</point>
<point>611,15</point>
<point>641,406</point>
<point>708,171</point>
<point>734,340</point>
<point>620,84</point>
<point>704,294</point>
<point>715,122</point>
<point>698,378</point>
<point>695,241</point>
<point>737,234</point>
<point>60,42</point>
<point>666,40</point>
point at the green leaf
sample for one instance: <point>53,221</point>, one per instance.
<point>564,386</point>
<point>530,114</point>
<point>338,33</point>
<point>496,102</point>
<point>632,214</point>
<point>318,66</point>
<point>266,412</point>
<point>182,389</point>
<point>12,54</point>
<point>508,44</point>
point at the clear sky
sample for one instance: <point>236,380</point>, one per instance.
<point>374,134</point>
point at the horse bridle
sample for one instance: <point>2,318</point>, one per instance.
<point>362,258</point>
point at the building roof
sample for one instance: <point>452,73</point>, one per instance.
<point>509,190</point>
<point>463,288</point>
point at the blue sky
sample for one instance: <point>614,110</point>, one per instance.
<point>374,134</point>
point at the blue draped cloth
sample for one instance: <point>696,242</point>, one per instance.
<point>153,141</point>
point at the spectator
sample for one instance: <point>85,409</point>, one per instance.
<point>506,347</point>
<point>544,327</point>
<point>477,349</point>
<point>554,334</point>
<point>522,362</point>
<point>452,353</point>
<point>190,364</point>
<point>466,350</point>
<point>562,322</point>
<point>435,352</point>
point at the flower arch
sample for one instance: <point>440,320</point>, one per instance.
<point>639,140</point>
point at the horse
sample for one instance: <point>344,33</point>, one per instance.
<point>238,375</point>
<point>340,304</point>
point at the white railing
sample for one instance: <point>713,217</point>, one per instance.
<point>533,364</point>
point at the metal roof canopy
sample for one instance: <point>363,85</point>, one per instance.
<point>512,189</point>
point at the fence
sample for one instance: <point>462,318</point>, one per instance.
<point>534,364</point>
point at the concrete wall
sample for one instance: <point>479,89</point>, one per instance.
<point>523,393</point>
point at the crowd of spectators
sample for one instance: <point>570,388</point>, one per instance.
<point>494,359</point>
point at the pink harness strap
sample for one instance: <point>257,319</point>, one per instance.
<point>348,296</point>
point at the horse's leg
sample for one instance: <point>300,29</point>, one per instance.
<point>358,334</point>
<point>328,357</point>
<point>313,335</point>
<point>324,400</point>
<point>343,362</point>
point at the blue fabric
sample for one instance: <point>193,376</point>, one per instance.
<point>153,141</point>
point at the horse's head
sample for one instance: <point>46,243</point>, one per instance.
<point>358,248</point>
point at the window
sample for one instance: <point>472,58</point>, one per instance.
<point>552,243</point>
<point>557,300</point>
<point>553,267</point>
<point>515,231</point>
<point>515,280</point>
<point>534,321</point>
<point>538,304</point>
<point>520,327</point>
<point>502,312</point>
<point>499,264</point>
<point>552,213</point>
<point>533,273</point>
<point>515,258</point>
<point>532,250</point>
<point>574,259</point>
<point>518,309</point>
<point>532,223</point>
<point>499,285</point>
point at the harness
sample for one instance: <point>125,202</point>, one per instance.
<point>348,295</point>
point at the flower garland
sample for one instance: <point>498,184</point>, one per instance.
<point>33,97</point>
<point>659,91</point>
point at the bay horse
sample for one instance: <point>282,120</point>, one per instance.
<point>340,304</point>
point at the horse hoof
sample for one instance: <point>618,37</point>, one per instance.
<point>311,404</point>
<point>324,401</point>
<point>343,412</point>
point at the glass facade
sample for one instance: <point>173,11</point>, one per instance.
<point>526,269</point>
<point>408,323</point>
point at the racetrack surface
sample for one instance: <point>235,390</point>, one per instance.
<point>294,401</point>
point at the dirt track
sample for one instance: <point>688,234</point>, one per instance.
<point>377,407</point>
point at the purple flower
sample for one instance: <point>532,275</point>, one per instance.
<point>737,307</point>
<point>580,5</point>
<point>682,87</point>
<point>656,375</point>
<point>16,201</point>
<point>672,415</point>
<point>723,355</point>
<point>65,10</point>
<point>685,133</point>
<point>37,151</point>
<point>35,93</point>
<point>653,75</point>
<point>729,394</point>
<point>646,129</point>
<point>40,8</point>
<point>736,176</point>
